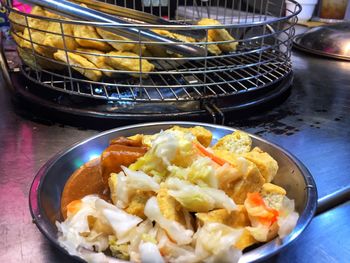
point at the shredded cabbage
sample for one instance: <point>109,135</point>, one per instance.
<point>214,243</point>
<point>149,253</point>
<point>123,187</point>
<point>201,172</point>
<point>120,221</point>
<point>288,217</point>
<point>198,199</point>
<point>174,229</point>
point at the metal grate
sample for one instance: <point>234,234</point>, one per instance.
<point>262,57</point>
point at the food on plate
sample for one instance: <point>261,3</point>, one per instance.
<point>80,64</point>
<point>174,196</point>
<point>219,35</point>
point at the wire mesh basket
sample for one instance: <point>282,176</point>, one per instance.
<point>245,45</point>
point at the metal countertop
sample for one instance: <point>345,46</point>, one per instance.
<point>313,124</point>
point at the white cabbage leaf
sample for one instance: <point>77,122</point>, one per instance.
<point>149,253</point>
<point>288,218</point>
<point>127,183</point>
<point>72,229</point>
<point>174,229</point>
<point>214,243</point>
<point>120,221</point>
<point>201,172</point>
<point>198,199</point>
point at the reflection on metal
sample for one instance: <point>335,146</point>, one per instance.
<point>328,40</point>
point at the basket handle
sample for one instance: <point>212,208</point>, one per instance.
<point>5,70</point>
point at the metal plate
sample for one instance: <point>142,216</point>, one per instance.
<point>329,40</point>
<point>46,189</point>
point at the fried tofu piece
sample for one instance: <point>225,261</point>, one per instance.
<point>176,36</point>
<point>267,166</point>
<point>237,142</point>
<point>273,195</point>
<point>19,22</point>
<point>212,48</point>
<point>98,61</point>
<point>169,207</point>
<point>57,40</point>
<point>268,189</point>
<point>249,179</point>
<point>245,240</point>
<point>117,43</point>
<point>236,219</point>
<point>137,204</point>
<point>203,135</point>
<point>79,64</point>
<point>34,40</point>
<point>81,32</point>
<point>219,35</point>
<point>128,64</point>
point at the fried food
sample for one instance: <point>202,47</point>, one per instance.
<point>249,180</point>
<point>117,43</point>
<point>81,32</point>
<point>57,40</point>
<point>203,135</point>
<point>79,64</point>
<point>129,64</point>
<point>235,219</point>
<point>219,35</point>
<point>266,164</point>
<point>137,204</point>
<point>237,142</point>
<point>169,207</point>
<point>35,41</point>
<point>98,61</point>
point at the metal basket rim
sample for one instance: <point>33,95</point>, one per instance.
<point>298,9</point>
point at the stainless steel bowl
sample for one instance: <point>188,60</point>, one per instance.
<point>46,189</point>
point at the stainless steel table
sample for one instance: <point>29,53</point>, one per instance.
<point>313,124</point>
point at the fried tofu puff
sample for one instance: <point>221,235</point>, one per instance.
<point>160,50</point>
<point>137,204</point>
<point>219,35</point>
<point>237,142</point>
<point>203,135</point>
<point>81,32</point>
<point>245,179</point>
<point>266,164</point>
<point>235,219</point>
<point>273,195</point>
<point>169,207</point>
<point>57,40</point>
<point>128,64</point>
<point>34,40</point>
<point>98,61</point>
<point>76,62</point>
<point>34,23</point>
<point>117,43</point>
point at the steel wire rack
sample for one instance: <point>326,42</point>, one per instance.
<point>260,31</point>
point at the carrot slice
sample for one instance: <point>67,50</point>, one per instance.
<point>212,156</point>
<point>74,206</point>
<point>257,200</point>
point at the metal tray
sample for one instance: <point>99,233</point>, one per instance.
<point>47,186</point>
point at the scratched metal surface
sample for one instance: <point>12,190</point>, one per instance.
<point>313,124</point>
